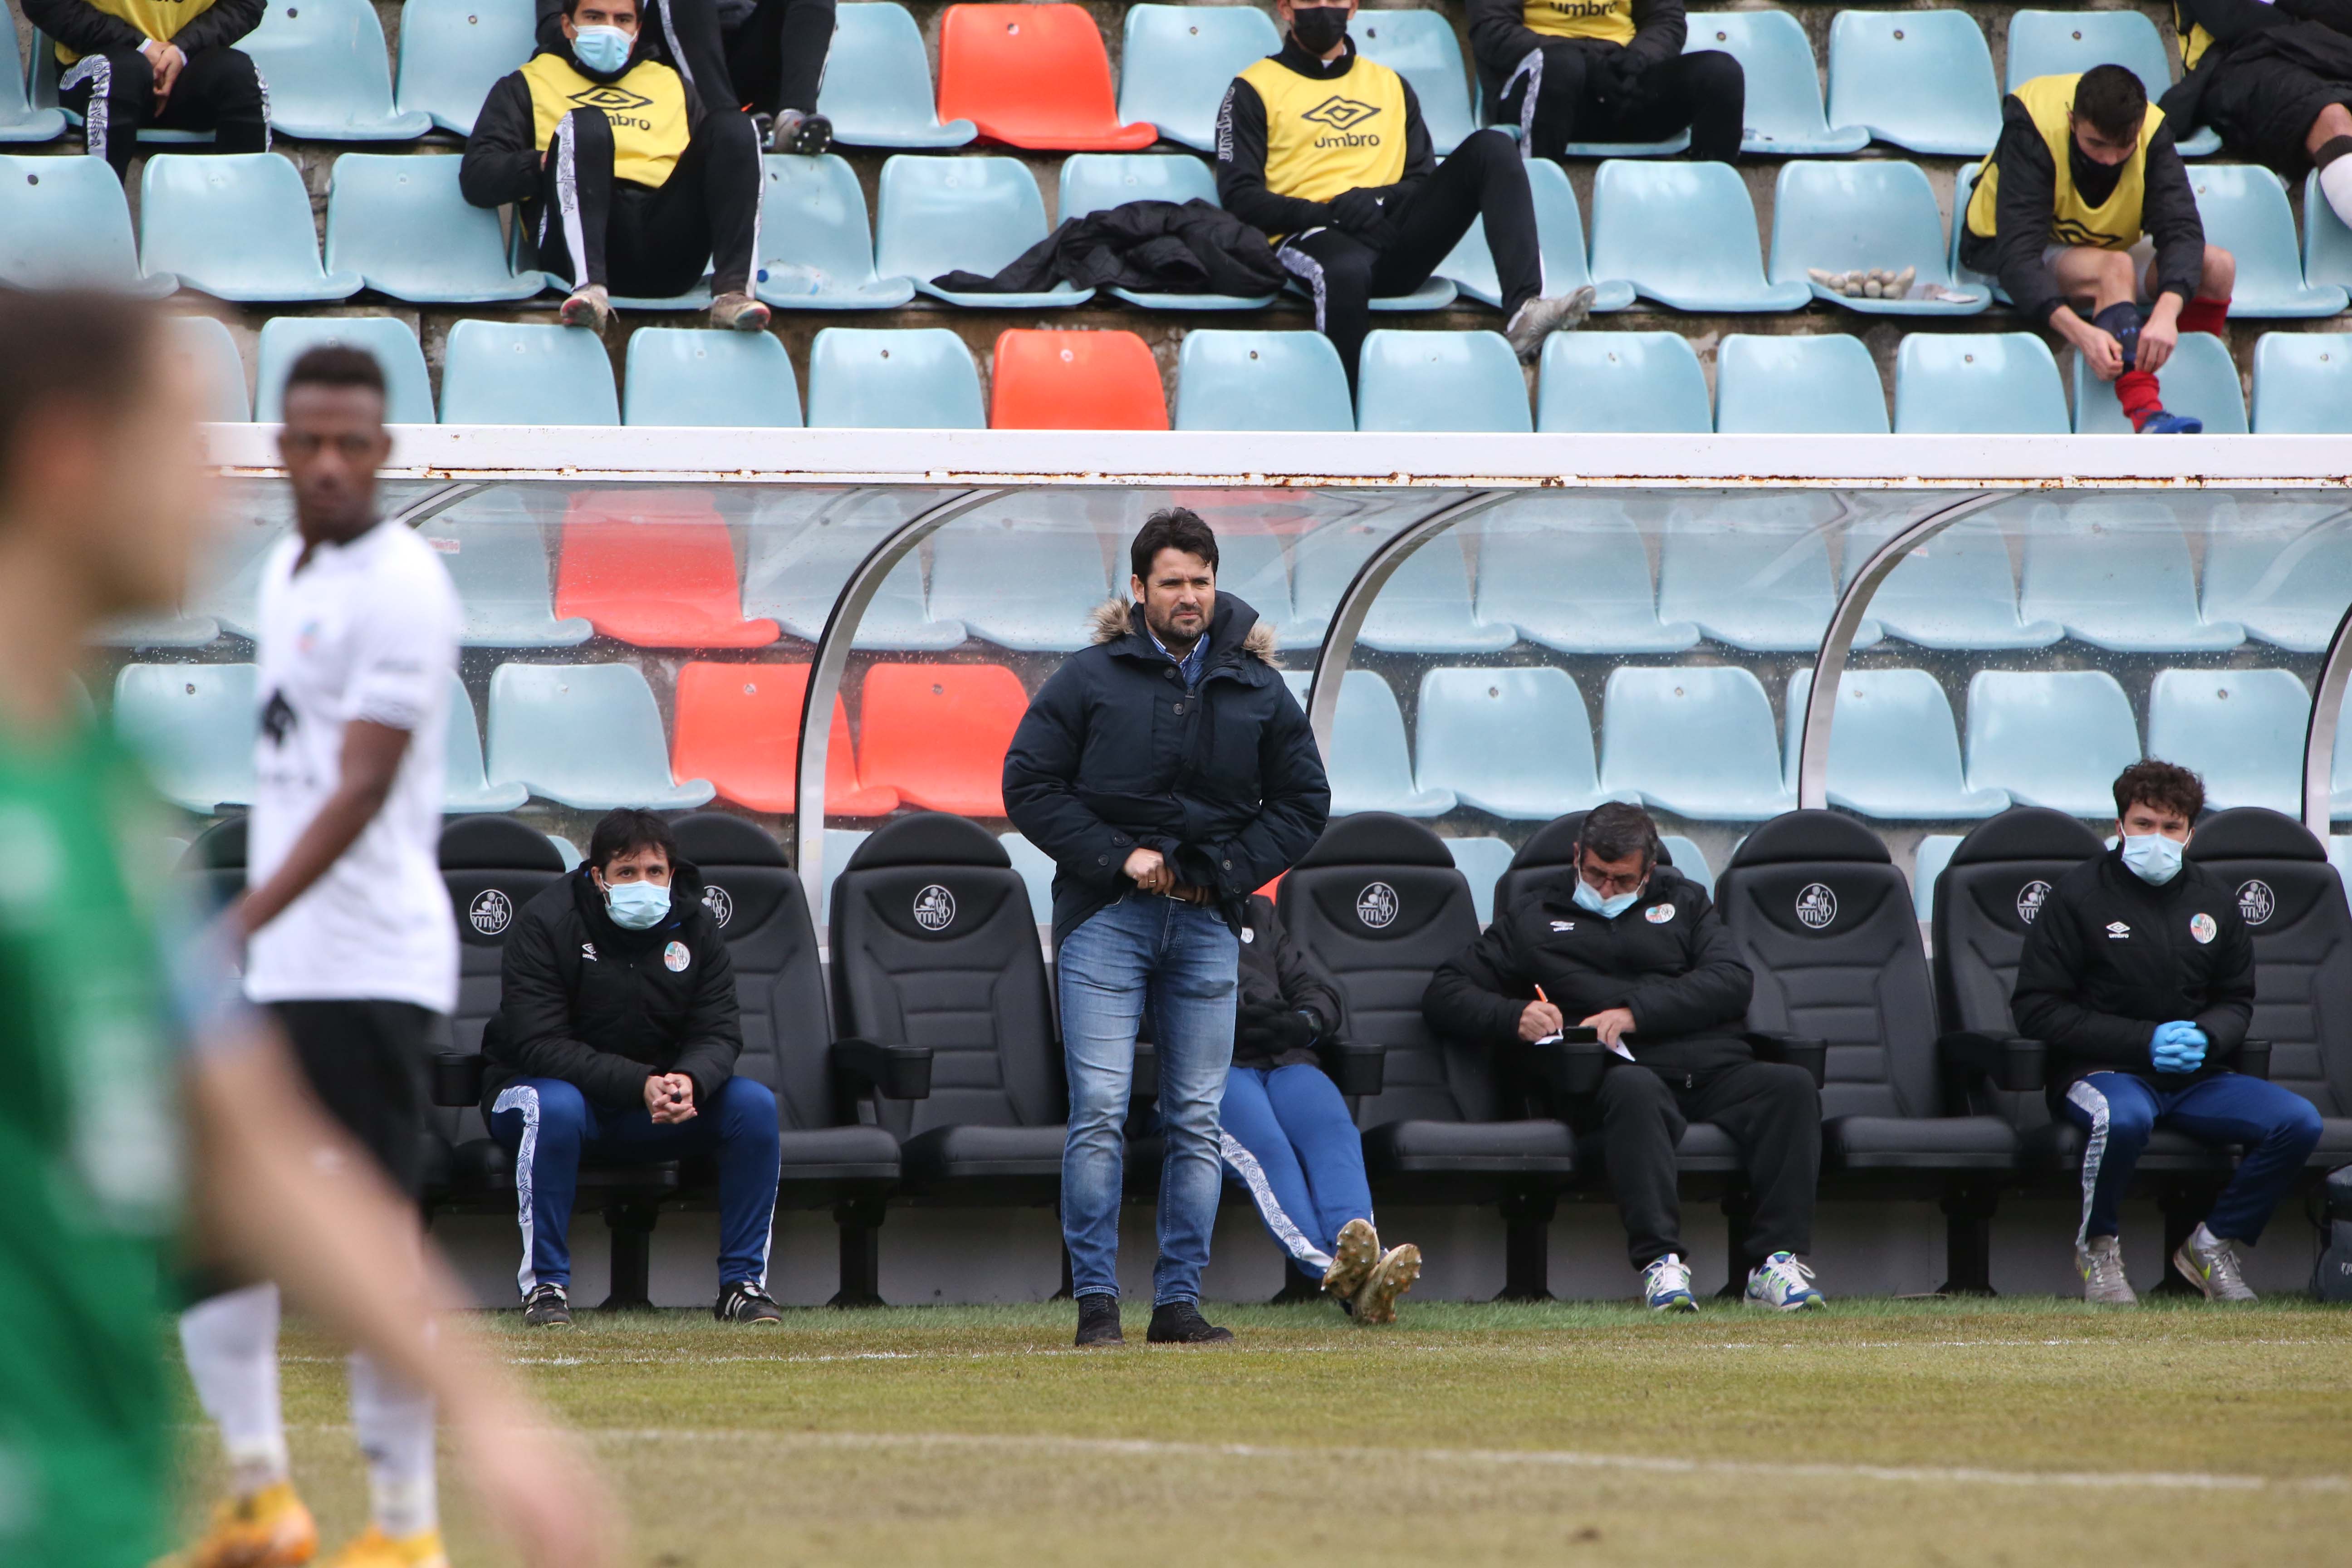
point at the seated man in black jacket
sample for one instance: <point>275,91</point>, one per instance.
<point>1634,952</point>
<point>1288,1135</point>
<point>2138,975</point>
<point>627,179</point>
<point>1326,152</point>
<point>2276,80</point>
<point>134,63</point>
<point>1605,70</point>
<point>615,1038</point>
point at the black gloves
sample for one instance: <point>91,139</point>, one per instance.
<point>1360,212</point>
<point>1273,1029</point>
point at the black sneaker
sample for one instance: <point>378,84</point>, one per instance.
<point>744,1302</point>
<point>547,1307</point>
<point>1098,1321</point>
<point>1180,1323</point>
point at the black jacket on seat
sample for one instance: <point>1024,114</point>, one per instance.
<point>1157,247</point>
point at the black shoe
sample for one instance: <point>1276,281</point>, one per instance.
<point>547,1307</point>
<point>744,1302</point>
<point>801,135</point>
<point>1098,1321</point>
<point>1180,1323</point>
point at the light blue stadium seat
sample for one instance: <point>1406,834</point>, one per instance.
<point>1840,217</point>
<point>820,250</point>
<point>1894,753</point>
<point>2283,572</point>
<point>1622,383</point>
<point>1927,863</point>
<point>2117,573</point>
<point>466,788</point>
<point>2053,738</point>
<point>1559,237</point>
<point>2339,803</point>
<point>1976,383</point>
<point>1822,383</point>
<point>234,226</point>
<point>679,375</point>
<point>968,214</point>
<point>584,736</point>
<point>20,123</point>
<point>207,341</point>
<point>2240,730</point>
<point>2302,383</point>
<point>175,629</point>
<point>1533,546</point>
<point>1440,381</point>
<point>400,222</point>
<point>330,78</point>
<point>2246,214</point>
<point>1261,381</point>
<point>1690,860</point>
<point>1425,606</point>
<point>1683,234</point>
<point>1697,741</point>
<point>2326,243</point>
<point>2061,43</point>
<point>2200,379</point>
<point>453,51</point>
<point>1024,586</point>
<point>1420,47</point>
<point>1036,868</point>
<point>1753,571</point>
<point>1921,80</point>
<point>1482,862</point>
<point>916,378</point>
<point>496,558</point>
<point>1516,743</point>
<point>408,389</point>
<point>193,726</point>
<point>1322,563</point>
<point>1176,61</point>
<point>509,372</point>
<point>64,222</point>
<point>225,578</point>
<point>1253,567</point>
<point>878,82</point>
<point>793,577</point>
<point>1367,762</point>
<point>1964,186</point>
<point>1784,86</point>
<point>1958,590</point>
<point>1094,181</point>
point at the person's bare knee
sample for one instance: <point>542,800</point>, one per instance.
<point>2104,277</point>
<point>2332,121</point>
<point>2221,275</point>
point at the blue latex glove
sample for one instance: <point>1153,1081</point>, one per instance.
<point>2177,1047</point>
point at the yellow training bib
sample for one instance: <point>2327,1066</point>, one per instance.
<point>1609,20</point>
<point>159,19</point>
<point>2114,224</point>
<point>1326,137</point>
<point>646,109</point>
<point>2194,39</point>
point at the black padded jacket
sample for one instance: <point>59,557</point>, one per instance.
<point>87,30</point>
<point>1277,972</point>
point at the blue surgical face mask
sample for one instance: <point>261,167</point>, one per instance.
<point>603,49</point>
<point>2153,857</point>
<point>1609,907</point>
<point>635,906</point>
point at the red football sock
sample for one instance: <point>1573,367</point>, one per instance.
<point>2203,315</point>
<point>2135,390</point>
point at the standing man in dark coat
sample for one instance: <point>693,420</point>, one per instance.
<point>1169,772</point>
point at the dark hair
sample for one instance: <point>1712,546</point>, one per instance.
<point>336,364</point>
<point>572,8</point>
<point>73,345</point>
<point>627,830</point>
<point>2112,99</point>
<point>1614,830</point>
<point>2164,785</point>
<point>1174,528</point>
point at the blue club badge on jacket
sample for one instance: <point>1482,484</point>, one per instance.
<point>678,957</point>
<point>2201,927</point>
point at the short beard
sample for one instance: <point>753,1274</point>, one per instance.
<point>1171,640</point>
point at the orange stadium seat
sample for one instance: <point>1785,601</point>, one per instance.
<point>655,570</point>
<point>937,733</point>
<point>1033,76</point>
<point>739,725</point>
<point>1074,380</point>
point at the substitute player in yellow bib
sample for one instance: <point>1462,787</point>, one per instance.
<point>625,179</point>
<point>1604,71</point>
<point>130,64</point>
<point>2085,214</point>
<point>1326,152</point>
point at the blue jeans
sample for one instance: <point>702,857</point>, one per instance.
<point>2116,1111</point>
<point>549,1126</point>
<point>1289,1140</point>
<point>1184,962</point>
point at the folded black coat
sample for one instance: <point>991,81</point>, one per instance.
<point>1155,247</point>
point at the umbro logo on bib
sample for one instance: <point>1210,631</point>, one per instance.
<point>1341,113</point>
<point>612,98</point>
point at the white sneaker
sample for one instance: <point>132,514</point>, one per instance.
<point>1666,1286</point>
<point>2211,1264</point>
<point>2101,1264</point>
<point>1539,318</point>
<point>1783,1284</point>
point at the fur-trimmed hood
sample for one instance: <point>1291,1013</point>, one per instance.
<point>1115,618</point>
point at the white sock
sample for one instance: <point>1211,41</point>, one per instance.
<point>2335,184</point>
<point>231,1344</point>
<point>395,1423</point>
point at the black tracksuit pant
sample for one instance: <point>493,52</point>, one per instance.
<point>218,90</point>
<point>651,241</point>
<point>1705,93</point>
<point>1771,1111</point>
<point>777,58</point>
<point>1482,182</point>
